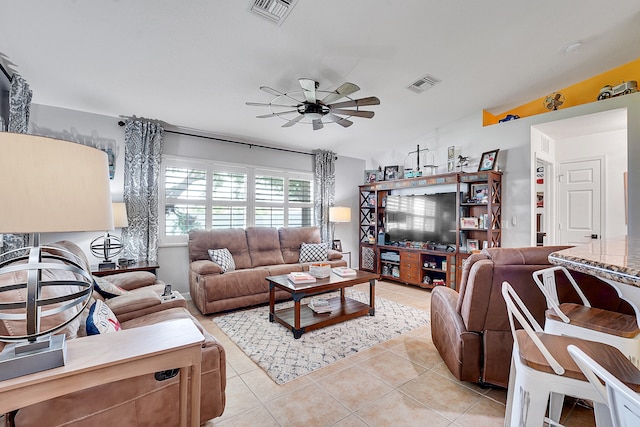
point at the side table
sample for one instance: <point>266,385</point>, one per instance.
<point>138,266</point>
<point>101,359</point>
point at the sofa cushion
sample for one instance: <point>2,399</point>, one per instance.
<point>106,288</point>
<point>101,319</point>
<point>292,238</point>
<point>223,258</point>
<point>234,239</point>
<point>311,252</point>
<point>264,246</point>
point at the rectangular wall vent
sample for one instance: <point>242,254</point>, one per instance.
<point>274,10</point>
<point>545,145</point>
<point>423,83</point>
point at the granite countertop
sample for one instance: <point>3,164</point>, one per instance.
<point>614,259</point>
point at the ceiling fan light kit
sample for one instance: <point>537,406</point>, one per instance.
<point>304,106</point>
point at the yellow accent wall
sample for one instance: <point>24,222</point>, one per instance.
<point>580,93</point>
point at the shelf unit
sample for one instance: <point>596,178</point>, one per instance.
<point>415,260</point>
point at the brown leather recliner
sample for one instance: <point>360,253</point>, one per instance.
<point>470,328</point>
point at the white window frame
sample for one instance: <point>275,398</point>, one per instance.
<point>209,167</point>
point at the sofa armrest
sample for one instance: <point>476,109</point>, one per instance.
<point>133,301</point>
<point>205,267</point>
<point>333,255</point>
<point>132,279</point>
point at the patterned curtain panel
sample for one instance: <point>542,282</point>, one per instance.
<point>142,154</point>
<point>324,190</point>
<point>19,107</point>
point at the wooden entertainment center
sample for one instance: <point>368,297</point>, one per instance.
<point>428,264</point>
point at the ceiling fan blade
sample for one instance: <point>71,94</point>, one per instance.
<point>293,121</point>
<point>309,88</point>
<point>317,124</point>
<point>344,90</point>
<point>340,120</point>
<point>262,104</point>
<point>356,113</point>
<point>264,116</point>
<point>276,93</point>
<point>372,100</point>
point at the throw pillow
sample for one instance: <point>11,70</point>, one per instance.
<point>106,288</point>
<point>312,252</point>
<point>223,258</point>
<point>101,319</point>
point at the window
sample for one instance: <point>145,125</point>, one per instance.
<point>209,195</point>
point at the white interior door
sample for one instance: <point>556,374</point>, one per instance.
<point>579,201</point>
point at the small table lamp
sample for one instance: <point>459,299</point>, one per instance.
<point>109,246</point>
<point>48,185</point>
<point>338,214</point>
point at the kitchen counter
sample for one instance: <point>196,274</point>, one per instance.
<point>616,261</point>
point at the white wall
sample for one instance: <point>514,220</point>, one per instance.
<point>513,138</point>
<point>173,260</point>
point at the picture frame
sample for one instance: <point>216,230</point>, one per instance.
<point>391,173</point>
<point>479,193</point>
<point>337,245</point>
<point>370,175</point>
<point>488,160</point>
<point>472,245</point>
<point>469,222</point>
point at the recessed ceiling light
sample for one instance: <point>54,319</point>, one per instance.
<point>573,46</point>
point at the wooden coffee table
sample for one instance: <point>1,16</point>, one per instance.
<point>300,318</point>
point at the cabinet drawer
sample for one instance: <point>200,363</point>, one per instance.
<point>410,256</point>
<point>410,276</point>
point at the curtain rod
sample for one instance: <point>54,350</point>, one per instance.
<point>251,145</point>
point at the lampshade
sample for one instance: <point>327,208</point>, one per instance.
<point>120,219</point>
<point>50,185</point>
<point>339,214</point>
<point>46,185</point>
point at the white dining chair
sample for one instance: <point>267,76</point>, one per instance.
<point>622,400</point>
<point>543,372</point>
<point>584,321</point>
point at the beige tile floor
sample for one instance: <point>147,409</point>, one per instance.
<point>401,382</point>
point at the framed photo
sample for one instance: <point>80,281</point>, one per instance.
<point>488,160</point>
<point>370,175</point>
<point>479,193</point>
<point>337,245</point>
<point>451,153</point>
<point>472,245</point>
<point>469,222</point>
<point>391,173</point>
<point>451,166</point>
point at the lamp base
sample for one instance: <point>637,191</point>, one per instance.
<point>106,265</point>
<point>17,360</point>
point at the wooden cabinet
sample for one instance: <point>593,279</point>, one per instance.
<point>478,216</point>
<point>410,267</point>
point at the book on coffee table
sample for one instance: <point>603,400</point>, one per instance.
<point>301,277</point>
<point>320,305</point>
<point>344,271</point>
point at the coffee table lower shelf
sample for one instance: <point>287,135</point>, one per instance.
<point>341,310</point>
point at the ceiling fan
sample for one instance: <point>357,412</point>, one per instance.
<point>314,106</point>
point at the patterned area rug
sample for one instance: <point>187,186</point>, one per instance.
<point>284,358</point>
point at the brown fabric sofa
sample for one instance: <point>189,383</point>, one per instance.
<point>138,401</point>
<point>470,328</point>
<point>258,252</point>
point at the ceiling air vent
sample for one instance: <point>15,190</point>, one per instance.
<point>274,10</point>
<point>423,83</point>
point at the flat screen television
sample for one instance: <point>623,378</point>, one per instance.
<point>422,218</point>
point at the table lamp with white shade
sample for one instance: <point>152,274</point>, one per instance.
<point>338,214</point>
<point>109,246</point>
<point>48,186</point>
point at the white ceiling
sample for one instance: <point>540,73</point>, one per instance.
<point>194,64</point>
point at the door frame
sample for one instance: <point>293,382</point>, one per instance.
<point>550,200</point>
